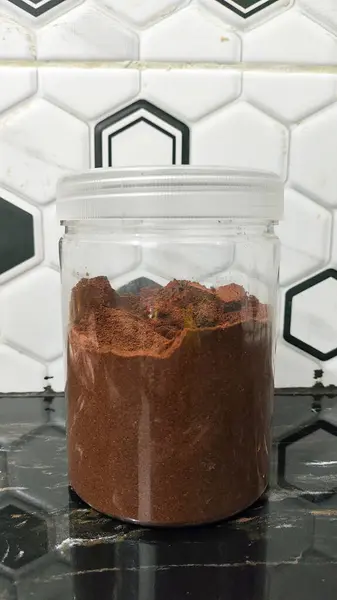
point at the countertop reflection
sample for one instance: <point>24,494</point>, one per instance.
<point>52,546</point>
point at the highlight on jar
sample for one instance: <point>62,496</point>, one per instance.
<point>169,287</point>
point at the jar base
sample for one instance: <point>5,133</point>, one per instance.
<point>156,525</point>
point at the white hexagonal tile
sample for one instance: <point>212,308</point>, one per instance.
<point>292,368</point>
<point>52,232</point>
<point>240,136</point>
<point>334,240</point>
<point>17,42</point>
<point>243,14</point>
<point>313,323</point>
<point>190,34</point>
<point>323,11</point>
<point>330,372</point>
<point>144,13</point>
<point>56,372</point>
<point>290,38</point>
<point>38,144</point>
<point>290,96</point>
<point>189,260</point>
<point>141,145</point>
<point>16,85</point>
<point>18,220</point>
<point>19,373</point>
<point>308,249</point>
<point>86,33</point>
<point>93,260</point>
<point>280,312</point>
<point>30,316</point>
<point>313,154</point>
<point>89,92</point>
<point>191,94</point>
<point>255,259</point>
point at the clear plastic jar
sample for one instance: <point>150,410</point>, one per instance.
<point>169,283</point>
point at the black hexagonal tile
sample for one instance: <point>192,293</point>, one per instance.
<point>37,463</point>
<point>20,416</point>
<point>50,580</point>
<point>57,410</point>
<point>310,577</point>
<point>289,531</point>
<point>3,468</point>
<point>307,460</point>
<point>329,412</point>
<point>246,8</point>
<point>24,536</point>
<point>169,132</point>
<point>16,235</point>
<point>325,536</point>
<point>310,315</point>
<point>7,588</point>
<point>300,409</point>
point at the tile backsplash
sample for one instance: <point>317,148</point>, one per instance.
<point>243,83</point>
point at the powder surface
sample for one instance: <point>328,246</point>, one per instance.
<point>169,393</point>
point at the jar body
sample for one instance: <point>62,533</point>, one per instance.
<point>170,346</point>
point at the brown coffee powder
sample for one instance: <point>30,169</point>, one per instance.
<point>169,394</point>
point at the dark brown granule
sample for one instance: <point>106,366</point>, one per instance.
<point>169,394</point>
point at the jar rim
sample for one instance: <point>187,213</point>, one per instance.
<point>184,191</point>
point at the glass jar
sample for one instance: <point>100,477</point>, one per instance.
<point>169,284</point>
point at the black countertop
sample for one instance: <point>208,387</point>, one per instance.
<point>52,546</point>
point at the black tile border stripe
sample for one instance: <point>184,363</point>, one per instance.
<point>38,10</point>
<point>251,12</point>
<point>297,289</point>
<point>151,109</point>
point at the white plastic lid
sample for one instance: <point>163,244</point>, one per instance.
<point>168,192</point>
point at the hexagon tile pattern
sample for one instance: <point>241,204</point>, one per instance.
<point>86,33</point>
<point>63,118</point>
<point>240,136</point>
<point>310,321</point>
<point>144,13</point>
<point>141,133</point>
<point>31,164</point>
<point>207,39</point>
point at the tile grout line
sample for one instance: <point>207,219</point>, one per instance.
<point>177,65</point>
